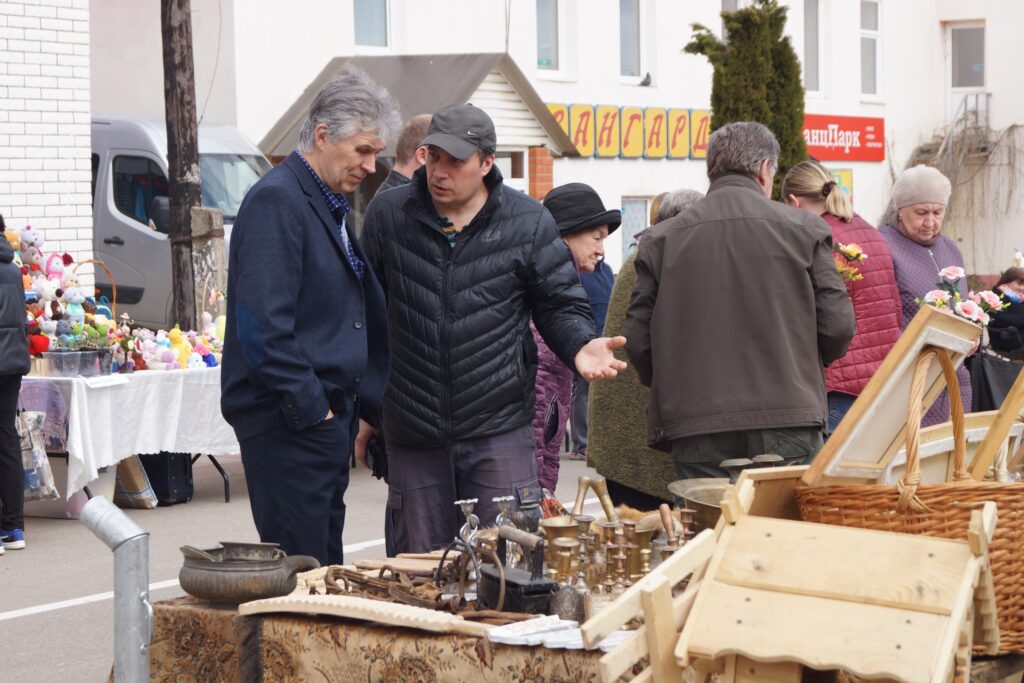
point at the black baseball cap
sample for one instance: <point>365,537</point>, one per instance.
<point>462,130</point>
<point>576,207</point>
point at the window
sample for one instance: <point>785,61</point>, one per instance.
<point>634,219</point>
<point>137,181</point>
<point>812,46</point>
<point>225,178</point>
<point>968,61</point>
<point>869,39</point>
<point>629,37</point>
<point>371,23</point>
<point>547,34</point>
<point>95,172</point>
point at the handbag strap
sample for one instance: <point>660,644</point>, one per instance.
<point>908,483</point>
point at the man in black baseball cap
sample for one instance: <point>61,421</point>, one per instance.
<point>462,130</point>
<point>466,262</point>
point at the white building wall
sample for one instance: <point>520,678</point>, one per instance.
<point>270,52</point>
<point>44,124</point>
<point>127,59</point>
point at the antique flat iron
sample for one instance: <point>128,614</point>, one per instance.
<point>511,589</point>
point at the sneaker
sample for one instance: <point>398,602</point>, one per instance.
<point>14,539</point>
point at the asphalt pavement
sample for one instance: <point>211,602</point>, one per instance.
<point>56,606</point>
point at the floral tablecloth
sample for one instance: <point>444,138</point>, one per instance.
<point>194,641</point>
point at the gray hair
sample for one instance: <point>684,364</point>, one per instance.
<point>350,103</point>
<point>675,201</point>
<point>740,148</point>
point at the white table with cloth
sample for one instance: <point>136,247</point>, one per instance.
<point>111,417</point>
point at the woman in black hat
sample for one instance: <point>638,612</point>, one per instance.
<point>583,223</point>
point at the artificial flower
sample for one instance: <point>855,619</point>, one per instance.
<point>952,273</point>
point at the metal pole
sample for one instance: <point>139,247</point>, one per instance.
<point>133,615</point>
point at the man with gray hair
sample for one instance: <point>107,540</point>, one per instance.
<point>305,352</point>
<point>737,307</point>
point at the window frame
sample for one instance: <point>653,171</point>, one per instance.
<point>624,241</point>
<point>559,53</point>
<point>950,28</point>
<point>876,35</point>
<point>152,163</point>
<point>818,89</point>
<point>388,39</point>
<point>641,44</point>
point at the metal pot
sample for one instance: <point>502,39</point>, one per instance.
<point>240,572</point>
<point>703,495</point>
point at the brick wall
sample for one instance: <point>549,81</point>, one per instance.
<point>541,166</point>
<point>45,149</point>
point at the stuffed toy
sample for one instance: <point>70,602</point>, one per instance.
<point>206,355</point>
<point>55,264</point>
<point>48,293</point>
<point>32,258</point>
<point>195,361</point>
<point>182,349</point>
<point>74,297</point>
<point>13,239</point>
<point>30,238</point>
<point>65,334</point>
<point>38,343</point>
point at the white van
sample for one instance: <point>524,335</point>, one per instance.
<point>130,205</point>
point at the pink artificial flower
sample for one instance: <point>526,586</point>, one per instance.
<point>969,310</point>
<point>951,273</point>
<point>937,297</point>
<point>992,299</point>
<point>973,296</point>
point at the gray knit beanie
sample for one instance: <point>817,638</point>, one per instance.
<point>921,185</point>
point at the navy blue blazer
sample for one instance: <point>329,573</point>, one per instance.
<point>304,334</point>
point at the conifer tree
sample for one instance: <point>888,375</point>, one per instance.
<point>756,77</point>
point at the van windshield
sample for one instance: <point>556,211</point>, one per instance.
<point>225,178</point>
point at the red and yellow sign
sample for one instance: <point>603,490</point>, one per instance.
<point>700,132</point>
<point>844,138</point>
<point>581,129</point>
<point>632,124</point>
<point>607,125</point>
<point>561,114</point>
<point>655,143</point>
<point>678,133</point>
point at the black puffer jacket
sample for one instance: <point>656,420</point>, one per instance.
<point>13,341</point>
<point>463,360</point>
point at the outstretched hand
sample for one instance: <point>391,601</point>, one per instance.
<point>595,361</point>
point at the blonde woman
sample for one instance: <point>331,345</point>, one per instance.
<point>875,296</point>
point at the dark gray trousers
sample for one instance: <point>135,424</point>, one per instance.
<point>426,482</point>
<point>700,456</point>
<point>580,400</point>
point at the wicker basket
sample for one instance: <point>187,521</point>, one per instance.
<point>941,510</point>
<point>110,276</point>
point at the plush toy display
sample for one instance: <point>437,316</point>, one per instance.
<point>60,316</point>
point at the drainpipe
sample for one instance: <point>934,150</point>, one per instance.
<point>133,615</point>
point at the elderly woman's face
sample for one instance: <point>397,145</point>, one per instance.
<point>922,222</point>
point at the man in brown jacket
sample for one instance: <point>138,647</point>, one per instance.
<point>736,309</point>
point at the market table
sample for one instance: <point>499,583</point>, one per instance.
<point>111,417</point>
<point>196,641</point>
